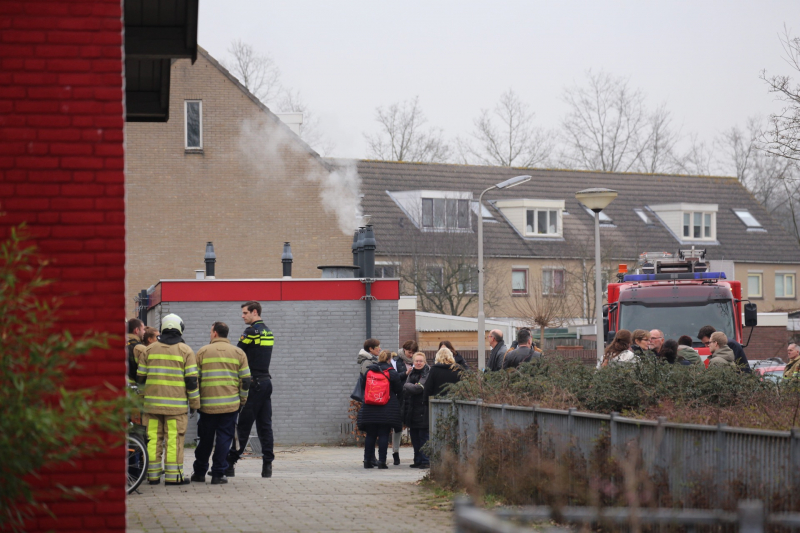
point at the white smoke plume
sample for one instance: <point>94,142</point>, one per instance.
<point>271,148</point>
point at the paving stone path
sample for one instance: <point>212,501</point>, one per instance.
<point>311,489</point>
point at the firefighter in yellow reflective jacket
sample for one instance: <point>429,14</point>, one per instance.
<point>169,372</point>
<point>224,382</point>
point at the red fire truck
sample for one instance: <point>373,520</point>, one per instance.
<point>678,295</point>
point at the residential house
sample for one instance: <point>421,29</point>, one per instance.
<point>539,240</point>
<point>225,169</point>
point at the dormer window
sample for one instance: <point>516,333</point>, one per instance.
<point>687,222</point>
<point>534,218</point>
<point>445,213</point>
<point>542,222</point>
<point>697,225</point>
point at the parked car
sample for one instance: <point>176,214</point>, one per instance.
<point>769,368</point>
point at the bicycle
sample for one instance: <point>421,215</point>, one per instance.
<point>138,459</point>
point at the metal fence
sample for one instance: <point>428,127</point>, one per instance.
<point>750,517</point>
<point>755,463</point>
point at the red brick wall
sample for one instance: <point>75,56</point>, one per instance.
<point>767,341</point>
<point>408,326</point>
<point>61,171</point>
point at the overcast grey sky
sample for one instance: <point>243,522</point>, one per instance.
<point>702,59</point>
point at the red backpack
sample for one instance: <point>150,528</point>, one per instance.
<point>376,391</point>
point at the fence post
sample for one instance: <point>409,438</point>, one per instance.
<point>479,406</point>
<point>751,516</point>
<point>721,473</point>
<point>570,425</point>
<point>794,460</point>
<point>503,415</point>
<point>612,429</point>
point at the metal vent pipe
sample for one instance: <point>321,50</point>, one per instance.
<point>211,259</point>
<point>356,273</point>
<point>360,251</point>
<point>368,272</point>
<point>287,259</point>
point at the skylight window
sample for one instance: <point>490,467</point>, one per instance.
<point>748,218</point>
<point>604,218</point>
<point>643,216</point>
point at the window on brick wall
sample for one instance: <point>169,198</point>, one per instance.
<point>193,113</point>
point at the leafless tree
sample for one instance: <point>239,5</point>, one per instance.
<point>772,179</point>
<point>258,72</point>
<point>783,136</point>
<point>290,101</point>
<point>606,124</point>
<point>507,137</point>
<point>542,310</point>
<point>262,77</point>
<point>402,136</point>
<point>697,160</point>
<point>440,267</point>
<point>658,144</point>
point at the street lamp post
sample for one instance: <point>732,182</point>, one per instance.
<point>597,200</point>
<point>511,182</point>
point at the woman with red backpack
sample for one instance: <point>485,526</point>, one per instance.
<point>380,412</point>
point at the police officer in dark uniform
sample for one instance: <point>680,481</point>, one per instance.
<point>256,341</point>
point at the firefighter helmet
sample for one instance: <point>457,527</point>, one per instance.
<point>172,321</point>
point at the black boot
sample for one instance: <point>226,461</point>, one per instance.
<point>200,478</point>
<point>232,458</point>
<point>396,456</point>
<point>369,464</point>
<point>266,470</point>
<point>218,480</point>
<point>382,465</point>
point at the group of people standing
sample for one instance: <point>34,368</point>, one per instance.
<point>224,382</point>
<point>411,383</point>
<point>630,347</point>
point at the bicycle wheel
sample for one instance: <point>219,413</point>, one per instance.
<point>137,462</point>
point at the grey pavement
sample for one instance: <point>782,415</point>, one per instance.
<point>311,489</point>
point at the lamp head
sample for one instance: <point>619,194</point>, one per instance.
<point>511,182</point>
<point>596,199</point>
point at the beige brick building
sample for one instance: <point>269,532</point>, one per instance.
<point>225,169</point>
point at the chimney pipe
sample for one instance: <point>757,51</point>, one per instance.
<point>360,249</point>
<point>199,274</point>
<point>356,273</point>
<point>211,259</point>
<point>287,259</point>
<point>369,252</point>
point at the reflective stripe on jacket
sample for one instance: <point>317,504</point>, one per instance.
<point>257,342</point>
<point>166,367</point>
<point>222,367</point>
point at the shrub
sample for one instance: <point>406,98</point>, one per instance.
<point>646,389</point>
<point>43,422</point>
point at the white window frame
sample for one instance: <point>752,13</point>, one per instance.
<point>785,275</point>
<point>447,228</point>
<point>527,289</point>
<point>434,290</point>
<point>712,226</point>
<point>186,124</point>
<point>546,288</point>
<point>760,276</point>
<point>741,213</point>
<point>393,264</point>
<point>549,210</point>
<point>472,270</point>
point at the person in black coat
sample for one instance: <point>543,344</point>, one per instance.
<point>379,420</point>
<point>402,364</point>
<point>415,412</point>
<point>457,357</point>
<point>444,371</point>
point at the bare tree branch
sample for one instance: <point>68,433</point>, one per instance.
<point>401,136</point>
<point>507,136</point>
<point>783,136</point>
<point>257,72</point>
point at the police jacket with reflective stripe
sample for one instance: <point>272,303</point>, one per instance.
<point>166,367</point>
<point>257,341</point>
<point>222,368</point>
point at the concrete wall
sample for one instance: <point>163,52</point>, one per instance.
<point>313,362</point>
